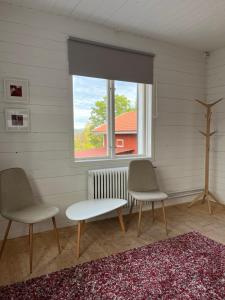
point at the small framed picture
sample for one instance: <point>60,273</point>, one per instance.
<point>16,90</point>
<point>17,119</point>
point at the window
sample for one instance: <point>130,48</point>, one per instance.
<point>112,119</point>
<point>119,143</point>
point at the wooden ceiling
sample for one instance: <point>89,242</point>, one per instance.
<point>198,24</point>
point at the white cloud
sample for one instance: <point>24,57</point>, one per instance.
<point>81,117</point>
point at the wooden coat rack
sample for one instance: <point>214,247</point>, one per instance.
<point>206,195</point>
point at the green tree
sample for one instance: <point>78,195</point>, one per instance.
<point>122,105</point>
<point>99,111</point>
<point>82,139</point>
<point>87,139</point>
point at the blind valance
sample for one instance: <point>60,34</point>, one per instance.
<point>87,58</point>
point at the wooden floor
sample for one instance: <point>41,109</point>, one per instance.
<point>103,238</point>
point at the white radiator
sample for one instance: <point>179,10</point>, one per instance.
<point>112,183</point>
<point>109,183</point>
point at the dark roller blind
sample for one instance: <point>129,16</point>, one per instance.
<point>88,58</point>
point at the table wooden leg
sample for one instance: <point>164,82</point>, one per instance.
<point>120,216</point>
<point>78,238</point>
<point>82,226</point>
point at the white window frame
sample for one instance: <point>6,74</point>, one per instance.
<point>148,134</point>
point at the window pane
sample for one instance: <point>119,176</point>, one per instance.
<point>90,117</point>
<point>126,118</point>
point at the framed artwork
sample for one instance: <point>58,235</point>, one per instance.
<point>17,119</point>
<point>16,90</point>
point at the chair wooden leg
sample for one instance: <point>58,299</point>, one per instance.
<point>78,238</point>
<point>139,218</point>
<point>164,216</point>
<point>56,234</point>
<point>5,237</point>
<point>31,246</point>
<point>131,208</point>
<point>153,212</point>
<point>120,216</point>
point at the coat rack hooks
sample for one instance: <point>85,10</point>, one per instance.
<point>206,195</point>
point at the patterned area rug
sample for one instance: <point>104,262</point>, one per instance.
<point>189,266</point>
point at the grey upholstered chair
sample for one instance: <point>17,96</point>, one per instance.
<point>17,204</point>
<point>143,186</point>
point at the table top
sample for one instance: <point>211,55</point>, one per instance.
<point>87,209</point>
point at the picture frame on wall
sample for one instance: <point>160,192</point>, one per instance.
<point>17,119</point>
<point>16,90</point>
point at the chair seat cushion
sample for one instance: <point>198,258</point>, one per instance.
<point>149,196</point>
<point>32,214</point>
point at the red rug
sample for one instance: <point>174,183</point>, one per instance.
<point>189,266</point>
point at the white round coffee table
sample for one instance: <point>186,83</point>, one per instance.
<point>87,209</point>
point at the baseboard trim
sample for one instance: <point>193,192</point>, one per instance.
<point>185,193</point>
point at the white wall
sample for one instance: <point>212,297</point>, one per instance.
<point>216,90</point>
<point>33,46</point>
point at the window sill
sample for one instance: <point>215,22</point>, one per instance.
<point>110,160</point>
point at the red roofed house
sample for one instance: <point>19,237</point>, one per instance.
<point>125,136</point>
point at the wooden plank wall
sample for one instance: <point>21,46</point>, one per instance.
<point>33,46</point>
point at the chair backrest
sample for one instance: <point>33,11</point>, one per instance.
<point>15,190</point>
<point>141,176</point>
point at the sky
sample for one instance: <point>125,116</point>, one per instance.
<point>87,90</point>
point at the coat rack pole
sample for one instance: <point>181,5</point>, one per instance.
<point>206,195</point>
<point>207,149</point>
